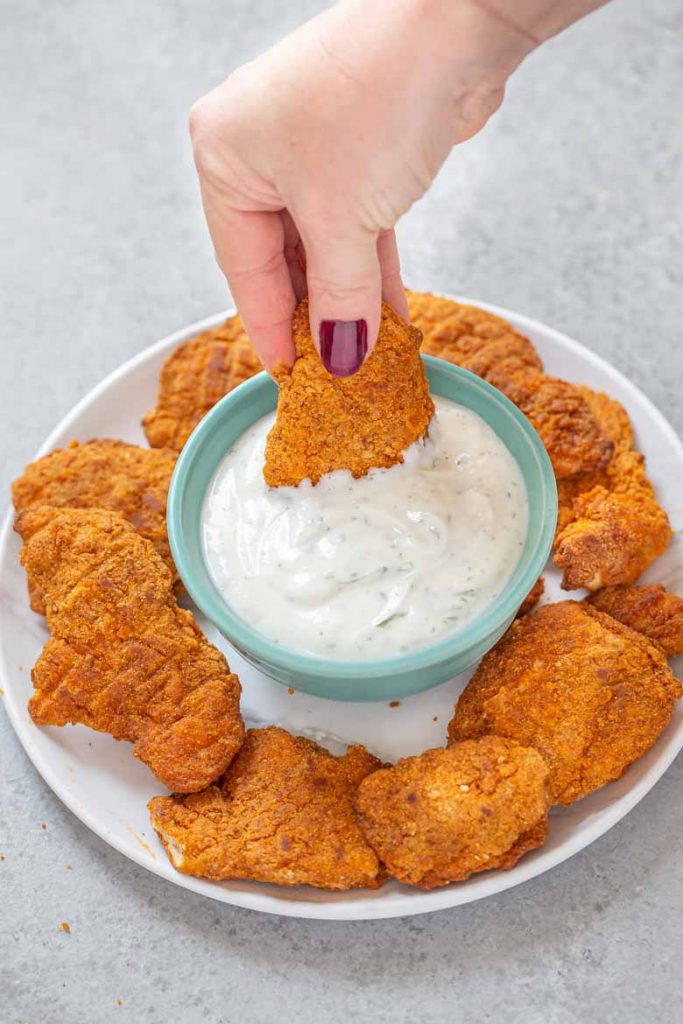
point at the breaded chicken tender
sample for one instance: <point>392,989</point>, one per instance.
<point>196,376</point>
<point>102,474</point>
<point>123,658</point>
<point>590,694</point>
<point>470,337</point>
<point>441,816</point>
<point>651,610</point>
<point>283,814</point>
<point>490,347</point>
<point>611,526</point>
<point>356,423</point>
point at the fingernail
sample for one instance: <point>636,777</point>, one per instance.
<point>343,345</point>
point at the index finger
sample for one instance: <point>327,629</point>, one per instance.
<point>250,249</point>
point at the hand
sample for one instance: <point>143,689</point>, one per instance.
<point>308,156</point>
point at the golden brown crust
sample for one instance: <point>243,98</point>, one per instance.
<point>123,658</point>
<point>283,814</point>
<point>490,347</point>
<point>441,816</point>
<point>106,474</point>
<point>470,337</point>
<point>614,511</point>
<point>196,376</point>
<point>557,410</point>
<point>651,610</point>
<point>590,694</point>
<point>613,538</point>
<point>532,598</point>
<point>611,526</point>
<point>326,423</point>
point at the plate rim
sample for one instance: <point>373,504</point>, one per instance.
<point>403,904</point>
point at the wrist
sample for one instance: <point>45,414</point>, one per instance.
<point>467,39</point>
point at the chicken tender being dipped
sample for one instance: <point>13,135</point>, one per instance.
<point>283,813</point>
<point>195,376</point>
<point>651,610</point>
<point>103,474</point>
<point>448,813</point>
<point>357,423</point>
<point>123,658</point>
<point>590,694</point>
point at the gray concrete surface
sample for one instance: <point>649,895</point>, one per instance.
<point>569,207</point>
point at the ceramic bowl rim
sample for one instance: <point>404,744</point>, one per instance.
<point>249,640</point>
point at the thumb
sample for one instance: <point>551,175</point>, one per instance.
<point>345,297</point>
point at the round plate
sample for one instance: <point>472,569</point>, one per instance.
<point>108,789</point>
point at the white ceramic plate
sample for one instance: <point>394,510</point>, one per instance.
<point>100,781</point>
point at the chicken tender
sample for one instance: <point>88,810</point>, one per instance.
<point>356,423</point>
<point>590,694</point>
<point>611,526</point>
<point>446,814</point>
<point>470,337</point>
<point>102,474</point>
<point>283,814</point>
<point>196,376</point>
<point>490,347</point>
<point>650,610</point>
<point>123,658</point>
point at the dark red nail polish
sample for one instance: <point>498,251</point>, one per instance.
<point>343,345</point>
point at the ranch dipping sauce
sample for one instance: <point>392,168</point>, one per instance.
<point>355,570</point>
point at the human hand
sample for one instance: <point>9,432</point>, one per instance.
<point>308,156</point>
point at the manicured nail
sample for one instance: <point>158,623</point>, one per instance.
<point>343,345</point>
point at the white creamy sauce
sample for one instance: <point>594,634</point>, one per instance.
<point>360,569</point>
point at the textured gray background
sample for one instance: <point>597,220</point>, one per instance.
<point>568,208</point>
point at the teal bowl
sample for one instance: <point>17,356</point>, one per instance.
<point>388,678</point>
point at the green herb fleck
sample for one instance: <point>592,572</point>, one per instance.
<point>391,618</point>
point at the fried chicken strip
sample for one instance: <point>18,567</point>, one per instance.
<point>611,526</point>
<point>470,337</point>
<point>196,376</point>
<point>102,474</point>
<point>588,693</point>
<point>651,610</point>
<point>441,816</point>
<point>356,423</point>
<point>490,347</point>
<point>283,813</point>
<point>123,658</point>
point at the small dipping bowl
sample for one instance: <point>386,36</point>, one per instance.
<point>387,678</point>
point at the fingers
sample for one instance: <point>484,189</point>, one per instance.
<point>250,249</point>
<point>393,290</point>
<point>345,292</point>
